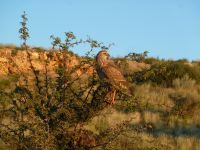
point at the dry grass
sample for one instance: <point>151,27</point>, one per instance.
<point>156,126</point>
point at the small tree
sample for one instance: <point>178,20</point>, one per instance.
<point>24,34</point>
<point>139,57</point>
<point>56,41</point>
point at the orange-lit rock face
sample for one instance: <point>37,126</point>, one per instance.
<point>19,62</point>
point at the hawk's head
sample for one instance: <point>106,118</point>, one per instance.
<point>102,57</point>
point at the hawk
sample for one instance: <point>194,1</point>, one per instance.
<point>108,71</point>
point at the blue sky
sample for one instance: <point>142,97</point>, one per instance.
<point>166,28</point>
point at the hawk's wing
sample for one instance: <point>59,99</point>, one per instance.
<point>114,75</point>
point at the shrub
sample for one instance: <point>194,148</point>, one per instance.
<point>39,49</point>
<point>164,73</point>
<point>184,60</point>
<point>137,57</point>
<point>151,60</point>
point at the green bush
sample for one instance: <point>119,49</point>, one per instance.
<point>139,57</point>
<point>184,60</point>
<point>152,60</point>
<point>39,49</point>
<point>164,73</point>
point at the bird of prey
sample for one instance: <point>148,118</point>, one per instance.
<point>107,70</point>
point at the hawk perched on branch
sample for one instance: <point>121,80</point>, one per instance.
<point>107,70</point>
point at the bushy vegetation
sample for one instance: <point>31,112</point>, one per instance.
<point>137,57</point>
<point>164,72</point>
<point>68,111</point>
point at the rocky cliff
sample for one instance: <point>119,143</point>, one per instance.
<point>19,62</point>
